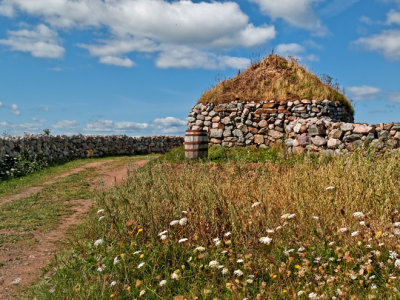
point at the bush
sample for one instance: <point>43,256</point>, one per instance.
<point>23,164</point>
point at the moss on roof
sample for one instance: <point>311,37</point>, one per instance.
<point>273,78</point>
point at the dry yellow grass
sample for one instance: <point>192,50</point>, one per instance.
<point>273,78</point>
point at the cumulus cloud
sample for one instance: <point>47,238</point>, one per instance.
<point>66,125</point>
<point>169,125</point>
<point>291,49</point>
<point>386,43</point>
<point>117,61</point>
<point>118,127</point>
<point>39,42</point>
<point>363,92</point>
<point>299,13</point>
<point>393,17</point>
<point>149,25</point>
<point>186,57</point>
<point>394,97</point>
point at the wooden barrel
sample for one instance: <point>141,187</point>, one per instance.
<point>196,144</point>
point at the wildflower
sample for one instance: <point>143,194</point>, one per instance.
<point>397,263</point>
<point>217,241</point>
<point>227,234</point>
<point>317,259</point>
<point>239,261</point>
<point>101,268</point>
<point>174,222</point>
<point>112,296</point>
<point>224,271</point>
<point>224,251</point>
<point>200,249</point>
<point>98,242</point>
<point>141,255</point>
<point>139,230</point>
<point>100,211</point>
<point>255,204</point>
<point>329,188</point>
<point>184,212</point>
<point>101,218</point>
<point>312,296</point>
<point>277,228</point>
<point>373,287</point>
<point>182,240</point>
<point>163,233</point>
<point>362,223</point>
<point>113,283</point>
<point>287,252</point>
<point>137,252</point>
<point>163,237</point>
<point>358,215</point>
<point>331,243</point>
<point>213,264</point>
<point>288,216</point>
<point>397,224</point>
<point>342,230</point>
<point>250,281</point>
<point>142,292</point>
<point>175,276</point>
<point>353,277</point>
<point>297,267</point>
<point>396,231</point>
<point>393,255</point>
<point>315,218</point>
<point>183,221</point>
<point>163,282</point>
<point>265,240</point>
<point>300,293</point>
<point>301,249</point>
<point>116,260</point>
<point>238,273</point>
<point>270,231</point>
<point>355,233</point>
<point>140,265</point>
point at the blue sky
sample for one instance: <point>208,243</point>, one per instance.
<point>136,67</point>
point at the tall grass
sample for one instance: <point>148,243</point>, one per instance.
<point>317,245</point>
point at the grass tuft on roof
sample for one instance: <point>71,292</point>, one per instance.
<point>274,78</point>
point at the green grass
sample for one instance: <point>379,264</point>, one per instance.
<point>245,199</point>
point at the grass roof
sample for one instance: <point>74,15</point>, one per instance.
<point>273,78</point>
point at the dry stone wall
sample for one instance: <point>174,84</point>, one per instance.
<point>306,125</point>
<point>80,146</point>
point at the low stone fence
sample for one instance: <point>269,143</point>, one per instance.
<point>301,125</point>
<point>80,146</point>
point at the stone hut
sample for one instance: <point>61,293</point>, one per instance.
<point>267,101</point>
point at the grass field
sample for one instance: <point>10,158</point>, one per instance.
<point>230,228</point>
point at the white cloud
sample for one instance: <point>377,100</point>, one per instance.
<point>291,49</point>
<point>14,106</point>
<point>363,92</point>
<point>1,104</point>
<point>387,43</point>
<point>117,61</point>
<point>169,125</point>
<point>39,42</point>
<point>149,25</point>
<point>299,13</point>
<point>111,126</point>
<point>186,57</point>
<point>66,125</point>
<point>394,97</point>
<point>393,17</point>
<point>16,112</point>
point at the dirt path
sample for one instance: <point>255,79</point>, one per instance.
<point>22,266</point>
<point>36,189</point>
